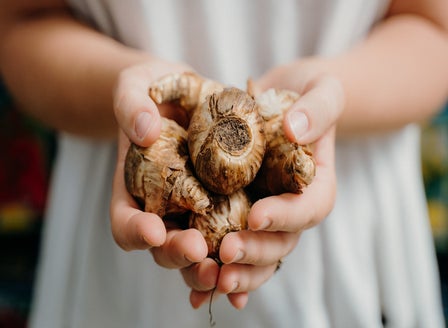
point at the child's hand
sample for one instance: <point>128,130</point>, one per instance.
<point>275,223</point>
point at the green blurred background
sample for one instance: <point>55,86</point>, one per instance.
<point>27,151</point>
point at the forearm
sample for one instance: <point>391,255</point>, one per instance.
<point>63,73</point>
<point>398,75</point>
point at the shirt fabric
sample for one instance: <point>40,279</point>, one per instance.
<point>372,257</point>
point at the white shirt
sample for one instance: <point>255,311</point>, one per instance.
<point>372,256</point>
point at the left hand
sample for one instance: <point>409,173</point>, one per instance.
<point>251,256</point>
<point>133,228</point>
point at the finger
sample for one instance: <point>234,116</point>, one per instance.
<point>258,248</point>
<point>198,298</point>
<point>139,231</point>
<point>201,276</point>
<point>132,228</point>
<point>238,300</point>
<point>316,110</point>
<point>240,278</point>
<point>181,249</point>
<point>136,112</point>
<point>291,212</point>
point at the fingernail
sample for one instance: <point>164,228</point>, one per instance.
<point>298,122</point>
<point>235,286</point>
<point>188,259</point>
<point>143,124</point>
<point>238,257</point>
<point>266,224</point>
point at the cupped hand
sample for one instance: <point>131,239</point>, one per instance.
<point>251,257</point>
<point>139,120</point>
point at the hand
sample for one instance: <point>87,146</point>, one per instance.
<point>275,223</point>
<point>139,119</point>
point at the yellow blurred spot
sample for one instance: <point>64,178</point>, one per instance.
<point>15,217</point>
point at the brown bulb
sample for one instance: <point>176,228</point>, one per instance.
<point>226,140</point>
<point>160,177</point>
<point>225,135</point>
<point>287,166</point>
<point>229,214</point>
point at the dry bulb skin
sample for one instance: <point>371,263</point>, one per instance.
<point>226,141</point>
<point>287,166</point>
<point>187,89</point>
<point>226,132</point>
<point>160,178</point>
<point>229,214</point>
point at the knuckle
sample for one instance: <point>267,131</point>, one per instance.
<point>118,100</point>
<point>259,251</point>
<point>335,100</point>
<point>315,217</point>
<point>120,86</point>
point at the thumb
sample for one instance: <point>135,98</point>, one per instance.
<point>136,113</point>
<point>315,112</point>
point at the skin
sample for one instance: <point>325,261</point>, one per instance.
<point>398,75</point>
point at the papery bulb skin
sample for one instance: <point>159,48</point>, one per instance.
<point>226,141</point>
<point>287,166</point>
<point>229,214</point>
<point>160,177</point>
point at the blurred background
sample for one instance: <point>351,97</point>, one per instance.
<point>27,152</point>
